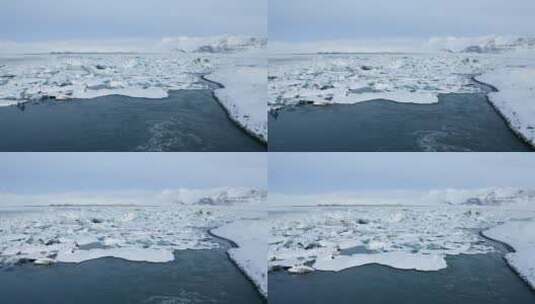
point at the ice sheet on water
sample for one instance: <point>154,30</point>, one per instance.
<point>133,233</point>
<point>351,78</point>
<point>402,237</point>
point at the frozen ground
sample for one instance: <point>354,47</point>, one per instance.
<point>305,239</point>
<point>250,235</point>
<point>521,236</point>
<point>46,235</point>
<point>236,65</point>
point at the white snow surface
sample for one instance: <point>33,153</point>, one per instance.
<point>399,260</point>
<point>131,254</point>
<point>251,236</point>
<point>244,94</point>
<point>404,237</point>
<point>515,98</point>
<point>521,236</point>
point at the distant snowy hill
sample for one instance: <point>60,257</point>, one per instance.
<point>217,196</point>
<point>483,197</point>
<point>482,45</point>
<point>496,45</point>
<point>220,44</point>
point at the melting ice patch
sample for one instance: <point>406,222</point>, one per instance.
<point>34,77</point>
<point>402,237</point>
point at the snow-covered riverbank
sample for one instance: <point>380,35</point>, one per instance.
<point>520,235</point>
<point>515,98</point>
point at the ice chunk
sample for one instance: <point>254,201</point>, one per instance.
<point>130,254</point>
<point>399,260</point>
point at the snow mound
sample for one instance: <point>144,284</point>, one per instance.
<point>244,91</point>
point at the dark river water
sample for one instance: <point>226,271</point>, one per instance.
<point>459,122</point>
<point>189,120</point>
<point>195,277</point>
<point>469,279</point>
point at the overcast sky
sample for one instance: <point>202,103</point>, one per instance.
<point>41,173</point>
<point>324,173</point>
<point>43,20</point>
<point>310,20</point>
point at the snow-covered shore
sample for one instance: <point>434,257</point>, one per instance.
<point>515,98</point>
<point>244,91</point>
<point>305,239</point>
<point>251,238</point>
<point>520,235</point>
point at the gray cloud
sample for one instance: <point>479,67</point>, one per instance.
<point>41,173</point>
<point>310,20</point>
<point>32,20</point>
<point>319,173</point>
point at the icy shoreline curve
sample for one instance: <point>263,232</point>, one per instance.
<point>519,235</point>
<point>515,98</point>
<point>250,236</point>
<point>243,93</point>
